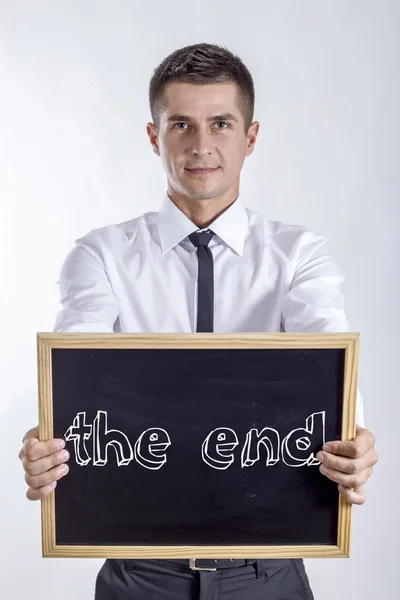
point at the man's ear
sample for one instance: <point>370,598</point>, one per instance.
<point>153,136</point>
<point>252,137</point>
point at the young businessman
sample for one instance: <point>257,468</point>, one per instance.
<point>203,262</point>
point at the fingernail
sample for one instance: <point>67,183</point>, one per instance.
<point>64,455</point>
<point>320,456</point>
<point>53,485</point>
<point>60,445</point>
<point>326,448</point>
<point>63,469</point>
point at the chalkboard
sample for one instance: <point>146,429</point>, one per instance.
<point>194,445</point>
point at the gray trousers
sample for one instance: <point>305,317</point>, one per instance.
<point>267,579</point>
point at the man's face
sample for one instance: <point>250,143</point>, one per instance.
<point>202,128</point>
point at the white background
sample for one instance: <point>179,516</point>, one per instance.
<point>75,155</point>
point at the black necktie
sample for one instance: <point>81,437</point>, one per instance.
<point>205,280</point>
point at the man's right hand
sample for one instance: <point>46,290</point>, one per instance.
<point>44,463</point>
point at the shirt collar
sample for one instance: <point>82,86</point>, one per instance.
<point>231,226</point>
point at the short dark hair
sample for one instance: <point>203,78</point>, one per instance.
<point>202,64</point>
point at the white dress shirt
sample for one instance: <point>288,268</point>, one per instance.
<point>141,276</point>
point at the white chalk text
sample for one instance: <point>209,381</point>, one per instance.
<point>217,449</point>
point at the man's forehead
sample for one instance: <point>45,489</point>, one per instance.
<point>201,101</point>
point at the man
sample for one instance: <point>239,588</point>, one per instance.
<point>204,262</point>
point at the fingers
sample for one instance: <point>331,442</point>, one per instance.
<point>41,478</point>
<point>42,465</point>
<point>43,462</point>
<point>356,496</point>
<point>348,465</point>
<point>350,481</point>
<point>40,493</point>
<point>33,449</point>
<point>47,477</point>
<point>355,448</point>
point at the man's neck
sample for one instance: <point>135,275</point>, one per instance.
<point>202,212</point>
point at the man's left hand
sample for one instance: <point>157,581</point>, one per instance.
<point>350,464</point>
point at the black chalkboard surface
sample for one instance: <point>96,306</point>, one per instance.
<point>193,445</point>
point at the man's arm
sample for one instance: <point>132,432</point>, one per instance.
<point>315,303</point>
<point>88,305</point>
<point>88,302</point>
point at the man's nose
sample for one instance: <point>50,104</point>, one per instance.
<point>201,143</point>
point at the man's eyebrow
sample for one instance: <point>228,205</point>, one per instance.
<point>223,117</point>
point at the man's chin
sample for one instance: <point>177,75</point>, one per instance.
<point>205,194</point>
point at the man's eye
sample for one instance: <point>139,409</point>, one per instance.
<point>181,123</point>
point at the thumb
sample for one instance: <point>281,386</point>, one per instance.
<point>32,433</point>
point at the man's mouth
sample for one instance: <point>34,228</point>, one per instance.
<point>201,171</point>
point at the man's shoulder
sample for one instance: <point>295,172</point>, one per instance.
<point>280,231</point>
<point>107,234</point>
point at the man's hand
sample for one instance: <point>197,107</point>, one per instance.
<point>44,463</point>
<point>350,464</point>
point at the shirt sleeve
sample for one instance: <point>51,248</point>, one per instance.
<point>314,301</point>
<point>87,299</point>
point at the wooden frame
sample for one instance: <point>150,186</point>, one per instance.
<point>47,341</point>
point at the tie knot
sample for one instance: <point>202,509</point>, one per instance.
<point>201,238</point>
